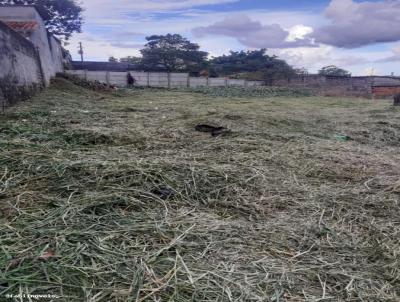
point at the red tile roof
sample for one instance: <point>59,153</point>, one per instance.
<point>18,25</point>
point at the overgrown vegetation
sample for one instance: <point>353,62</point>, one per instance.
<point>335,71</point>
<point>250,63</point>
<point>252,92</point>
<point>107,198</point>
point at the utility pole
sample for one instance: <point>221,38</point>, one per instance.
<point>80,51</point>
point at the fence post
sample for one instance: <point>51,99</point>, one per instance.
<point>226,82</point>
<point>169,80</point>
<point>108,78</point>
<point>188,81</point>
<point>208,82</point>
<point>85,74</point>
<point>148,79</point>
<point>3,101</point>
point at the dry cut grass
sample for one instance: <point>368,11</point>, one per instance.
<point>117,198</point>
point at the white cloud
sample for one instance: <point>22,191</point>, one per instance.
<point>394,57</point>
<point>96,49</point>
<point>357,24</point>
<point>315,58</point>
<point>101,35</point>
<point>370,71</point>
<point>299,32</point>
<point>252,33</point>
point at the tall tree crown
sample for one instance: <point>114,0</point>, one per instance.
<point>172,52</point>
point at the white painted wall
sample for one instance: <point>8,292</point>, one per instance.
<point>158,79</point>
<point>196,82</point>
<point>18,58</point>
<point>20,71</point>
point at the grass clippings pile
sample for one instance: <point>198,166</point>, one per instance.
<point>92,85</point>
<point>253,91</point>
<point>106,198</point>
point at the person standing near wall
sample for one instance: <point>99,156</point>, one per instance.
<point>131,80</point>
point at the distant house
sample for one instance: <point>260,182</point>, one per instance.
<point>27,21</point>
<point>103,66</point>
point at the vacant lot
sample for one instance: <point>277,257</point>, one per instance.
<point>118,198</point>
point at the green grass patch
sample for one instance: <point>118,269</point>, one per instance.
<point>116,197</point>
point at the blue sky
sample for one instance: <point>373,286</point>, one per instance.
<point>361,36</point>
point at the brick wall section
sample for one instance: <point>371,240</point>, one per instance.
<point>369,86</point>
<point>385,91</point>
<point>331,86</point>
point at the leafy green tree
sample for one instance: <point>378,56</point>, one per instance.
<point>251,64</point>
<point>131,60</point>
<point>172,52</point>
<point>112,60</point>
<point>277,69</point>
<point>62,17</point>
<point>332,70</point>
<point>301,71</point>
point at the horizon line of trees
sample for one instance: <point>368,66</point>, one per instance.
<point>174,53</point>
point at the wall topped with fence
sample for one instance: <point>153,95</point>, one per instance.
<point>159,79</point>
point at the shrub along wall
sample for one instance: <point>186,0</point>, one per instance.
<point>20,69</point>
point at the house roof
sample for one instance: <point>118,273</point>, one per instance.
<point>22,25</point>
<point>100,66</point>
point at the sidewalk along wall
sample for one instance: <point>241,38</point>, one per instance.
<point>20,69</point>
<point>158,79</point>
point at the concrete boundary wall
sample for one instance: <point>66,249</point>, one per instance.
<point>159,79</point>
<point>344,86</point>
<point>21,73</point>
<point>48,47</point>
<point>368,86</point>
